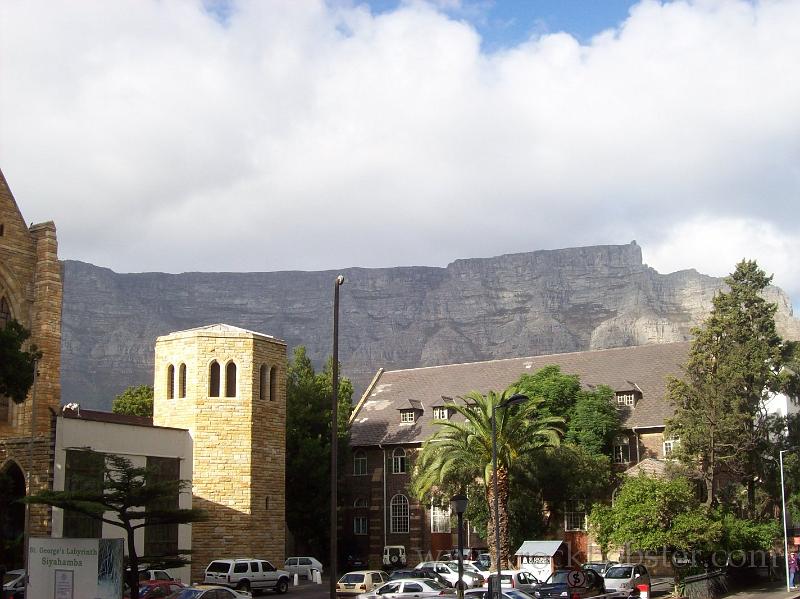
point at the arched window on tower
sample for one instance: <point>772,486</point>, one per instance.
<point>213,379</point>
<point>182,381</point>
<point>230,379</point>
<point>5,313</point>
<point>170,382</point>
<point>263,381</point>
<point>273,383</point>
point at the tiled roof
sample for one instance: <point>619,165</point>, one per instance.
<point>644,368</point>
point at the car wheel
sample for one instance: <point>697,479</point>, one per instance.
<point>244,585</point>
<point>282,586</point>
<point>394,559</point>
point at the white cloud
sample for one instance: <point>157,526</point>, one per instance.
<point>313,135</point>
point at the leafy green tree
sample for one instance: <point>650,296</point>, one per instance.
<point>461,451</point>
<point>16,364</point>
<point>735,364</point>
<point>308,448</point>
<point>558,391</point>
<point>594,421</point>
<point>134,401</point>
<point>130,498</point>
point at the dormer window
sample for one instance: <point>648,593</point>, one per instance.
<point>441,413</point>
<point>626,399</point>
<point>408,416</point>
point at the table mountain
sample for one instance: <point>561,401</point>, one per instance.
<point>526,304</point>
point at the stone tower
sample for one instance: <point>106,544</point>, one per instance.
<point>30,293</point>
<point>227,386</point>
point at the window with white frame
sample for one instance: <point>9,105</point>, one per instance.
<point>441,413</point>
<point>440,518</point>
<point>622,450</point>
<point>399,461</point>
<point>359,463</point>
<point>360,525</point>
<point>574,515</point>
<point>626,399</point>
<point>398,509</point>
<point>407,416</point>
<point>670,444</point>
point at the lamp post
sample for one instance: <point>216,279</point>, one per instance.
<point>515,399</point>
<point>334,431</point>
<point>783,505</point>
<point>458,503</point>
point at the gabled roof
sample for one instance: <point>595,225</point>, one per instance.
<point>649,466</point>
<point>644,368</point>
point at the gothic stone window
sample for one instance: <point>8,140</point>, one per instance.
<point>182,381</point>
<point>399,461</point>
<point>399,514</point>
<point>213,379</point>
<point>263,381</point>
<point>170,382</point>
<point>273,383</point>
<point>230,379</point>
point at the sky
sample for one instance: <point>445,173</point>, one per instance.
<point>247,135</point>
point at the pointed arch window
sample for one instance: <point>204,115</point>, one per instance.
<point>170,382</point>
<point>5,312</point>
<point>399,461</point>
<point>263,381</point>
<point>182,381</point>
<point>213,379</point>
<point>230,379</point>
<point>399,514</point>
<point>273,383</point>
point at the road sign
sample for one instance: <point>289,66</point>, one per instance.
<point>576,579</point>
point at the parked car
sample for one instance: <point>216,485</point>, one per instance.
<point>411,588</point>
<point>394,555</point>
<point>506,594</point>
<point>302,566</point>
<point>485,560</point>
<point>479,566</point>
<point>599,567</point>
<point>572,583</point>
<point>208,591</point>
<point>14,584</point>
<point>449,571</point>
<point>517,579</point>
<point>152,589</point>
<point>153,575</point>
<point>626,578</point>
<point>247,574</point>
<point>428,573</point>
<point>361,581</point>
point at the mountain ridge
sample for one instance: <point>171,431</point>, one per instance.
<point>524,304</point>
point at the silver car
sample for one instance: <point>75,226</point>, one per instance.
<point>627,578</point>
<point>410,588</point>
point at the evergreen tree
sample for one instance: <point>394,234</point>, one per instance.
<point>735,365</point>
<point>16,364</point>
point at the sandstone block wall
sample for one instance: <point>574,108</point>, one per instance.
<point>239,442</point>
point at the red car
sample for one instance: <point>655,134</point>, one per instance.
<point>153,589</point>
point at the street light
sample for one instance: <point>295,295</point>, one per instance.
<point>514,400</point>
<point>785,535</point>
<point>334,430</point>
<point>458,504</point>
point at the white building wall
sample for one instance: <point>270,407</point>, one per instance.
<point>135,443</point>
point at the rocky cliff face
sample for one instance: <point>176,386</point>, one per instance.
<point>476,309</point>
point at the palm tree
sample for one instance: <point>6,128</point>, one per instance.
<point>460,452</point>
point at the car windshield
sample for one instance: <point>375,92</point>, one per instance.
<point>558,577</point>
<point>218,567</point>
<point>352,578</point>
<point>187,594</point>
<point>619,572</point>
<point>10,577</point>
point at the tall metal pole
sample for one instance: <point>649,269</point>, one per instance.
<point>334,433</point>
<point>785,535</point>
<point>496,587</point>
<point>460,585</point>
